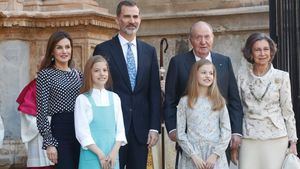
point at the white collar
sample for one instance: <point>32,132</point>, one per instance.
<point>124,41</point>
<point>99,91</point>
<point>208,57</point>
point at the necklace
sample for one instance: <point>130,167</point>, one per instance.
<point>62,69</point>
<point>261,73</point>
<point>259,99</point>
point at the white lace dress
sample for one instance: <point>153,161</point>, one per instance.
<point>207,132</point>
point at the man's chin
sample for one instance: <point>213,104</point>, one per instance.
<point>131,32</point>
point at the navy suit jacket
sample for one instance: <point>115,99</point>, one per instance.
<point>141,107</point>
<point>176,81</point>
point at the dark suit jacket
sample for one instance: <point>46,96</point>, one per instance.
<point>176,81</point>
<point>140,107</point>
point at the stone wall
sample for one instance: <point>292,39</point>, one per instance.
<point>23,39</point>
<point>25,26</point>
<point>232,20</point>
<point>173,6</point>
<point>231,28</point>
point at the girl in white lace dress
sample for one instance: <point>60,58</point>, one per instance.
<point>203,126</point>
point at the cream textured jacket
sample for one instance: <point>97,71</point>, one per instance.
<point>267,105</point>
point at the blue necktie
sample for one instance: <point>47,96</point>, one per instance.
<point>131,66</point>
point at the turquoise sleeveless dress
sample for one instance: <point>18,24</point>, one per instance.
<point>103,131</point>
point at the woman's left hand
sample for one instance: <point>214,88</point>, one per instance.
<point>293,148</point>
<point>211,161</point>
<point>111,158</point>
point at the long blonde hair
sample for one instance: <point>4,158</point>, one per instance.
<point>88,82</point>
<point>214,95</point>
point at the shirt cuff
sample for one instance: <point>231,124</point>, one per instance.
<point>154,130</point>
<point>122,140</point>
<point>86,142</point>
<point>172,131</point>
<point>293,141</point>
<point>237,134</point>
<point>49,141</point>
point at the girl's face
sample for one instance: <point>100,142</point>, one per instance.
<point>99,74</point>
<point>261,52</point>
<point>205,75</point>
<point>62,52</point>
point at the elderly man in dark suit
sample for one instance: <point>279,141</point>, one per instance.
<point>201,38</point>
<point>134,70</point>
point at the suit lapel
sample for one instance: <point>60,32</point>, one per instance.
<point>189,61</point>
<point>218,64</point>
<point>141,62</point>
<point>119,59</point>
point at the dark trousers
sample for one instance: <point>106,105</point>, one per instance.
<point>228,154</point>
<point>63,130</point>
<point>134,154</point>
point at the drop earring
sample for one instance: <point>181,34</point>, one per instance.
<point>52,59</point>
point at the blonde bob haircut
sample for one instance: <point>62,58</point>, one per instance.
<point>214,95</point>
<point>88,82</point>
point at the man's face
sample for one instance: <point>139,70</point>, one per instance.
<point>129,20</point>
<point>202,40</point>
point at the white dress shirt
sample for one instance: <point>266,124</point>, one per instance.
<point>84,116</point>
<point>208,57</point>
<point>124,45</point>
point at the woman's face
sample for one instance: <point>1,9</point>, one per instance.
<point>99,74</point>
<point>261,52</point>
<point>62,52</point>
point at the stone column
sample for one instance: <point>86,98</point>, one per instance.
<point>23,39</point>
<point>11,5</point>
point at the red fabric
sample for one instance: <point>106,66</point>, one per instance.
<point>27,99</point>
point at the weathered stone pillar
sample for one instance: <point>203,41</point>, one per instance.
<point>23,37</point>
<point>11,5</point>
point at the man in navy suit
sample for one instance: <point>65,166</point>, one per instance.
<point>201,38</point>
<point>134,70</point>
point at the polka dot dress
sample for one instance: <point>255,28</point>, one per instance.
<point>56,93</point>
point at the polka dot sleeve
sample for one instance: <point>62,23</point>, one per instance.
<point>43,96</point>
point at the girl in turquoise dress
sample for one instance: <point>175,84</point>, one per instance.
<point>98,118</point>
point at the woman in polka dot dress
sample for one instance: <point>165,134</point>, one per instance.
<point>58,85</point>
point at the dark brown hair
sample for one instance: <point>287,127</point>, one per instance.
<point>87,82</point>
<point>53,40</point>
<point>247,50</point>
<point>124,3</point>
<point>214,95</point>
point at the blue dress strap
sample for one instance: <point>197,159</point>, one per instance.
<point>91,100</point>
<point>111,99</point>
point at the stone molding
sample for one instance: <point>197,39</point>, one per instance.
<point>56,19</point>
<point>210,12</point>
<point>228,20</point>
<point>61,5</point>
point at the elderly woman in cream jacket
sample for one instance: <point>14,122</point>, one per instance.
<point>269,123</point>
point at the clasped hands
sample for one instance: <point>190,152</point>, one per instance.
<point>208,164</point>
<point>108,162</point>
